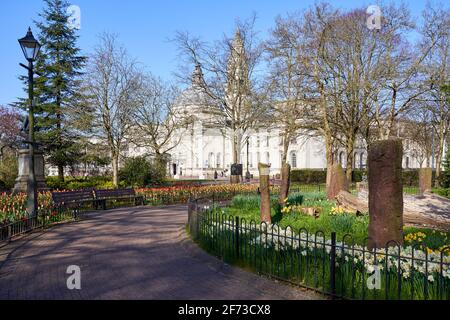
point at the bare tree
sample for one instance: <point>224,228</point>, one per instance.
<point>323,94</point>
<point>231,80</point>
<point>113,84</point>
<point>156,120</point>
<point>403,81</point>
<point>10,135</point>
<point>416,131</point>
<point>286,88</point>
<point>437,74</point>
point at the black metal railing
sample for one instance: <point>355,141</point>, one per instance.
<point>158,198</point>
<point>318,261</point>
<point>44,219</point>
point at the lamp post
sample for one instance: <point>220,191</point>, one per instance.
<point>30,47</point>
<point>247,174</point>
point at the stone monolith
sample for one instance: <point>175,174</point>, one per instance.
<point>385,193</point>
<point>264,188</point>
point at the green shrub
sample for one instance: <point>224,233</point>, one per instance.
<point>309,176</point>
<point>443,192</point>
<point>319,176</point>
<point>99,182</point>
<point>343,223</point>
<point>445,175</point>
<point>140,172</point>
<point>2,186</point>
<point>358,174</point>
<point>250,202</point>
<point>295,198</point>
<point>411,177</point>
<point>8,171</point>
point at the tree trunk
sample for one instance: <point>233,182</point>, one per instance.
<point>115,167</point>
<point>236,148</point>
<point>285,182</point>
<point>61,173</point>
<point>59,136</point>
<point>352,203</point>
<point>330,162</point>
<point>264,187</point>
<point>439,156</point>
<point>349,167</point>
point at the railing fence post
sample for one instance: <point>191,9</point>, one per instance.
<point>196,220</point>
<point>333,264</point>
<point>237,237</point>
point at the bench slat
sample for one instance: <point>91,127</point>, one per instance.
<point>73,196</point>
<point>114,193</point>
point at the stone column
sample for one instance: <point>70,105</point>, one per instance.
<point>425,177</point>
<point>337,182</point>
<point>199,129</point>
<point>21,184</point>
<point>264,187</point>
<point>385,193</point>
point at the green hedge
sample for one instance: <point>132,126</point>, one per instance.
<point>411,177</point>
<point>315,176</point>
<point>80,183</point>
<point>309,176</point>
<point>443,192</point>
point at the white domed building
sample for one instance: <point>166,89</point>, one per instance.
<point>205,146</point>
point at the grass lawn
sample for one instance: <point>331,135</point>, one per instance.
<point>247,208</point>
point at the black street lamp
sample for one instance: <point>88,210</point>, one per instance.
<point>30,47</point>
<point>247,174</point>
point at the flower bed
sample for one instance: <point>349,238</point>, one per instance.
<point>13,207</point>
<point>303,257</point>
<point>181,194</point>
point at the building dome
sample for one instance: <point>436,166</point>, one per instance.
<point>194,101</point>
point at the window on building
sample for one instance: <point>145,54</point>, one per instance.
<point>257,141</point>
<point>258,158</point>
<point>407,162</point>
<point>218,160</point>
<point>294,160</point>
<point>267,157</point>
<point>211,160</point>
<point>267,141</point>
<point>355,160</point>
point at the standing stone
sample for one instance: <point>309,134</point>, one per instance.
<point>385,193</point>
<point>425,177</point>
<point>285,181</point>
<point>337,182</point>
<point>264,188</point>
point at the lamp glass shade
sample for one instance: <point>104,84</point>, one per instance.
<point>30,46</point>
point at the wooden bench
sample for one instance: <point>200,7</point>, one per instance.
<point>102,196</point>
<point>74,199</point>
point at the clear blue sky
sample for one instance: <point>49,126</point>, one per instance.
<point>144,27</point>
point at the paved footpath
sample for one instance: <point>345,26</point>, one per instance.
<point>129,253</point>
